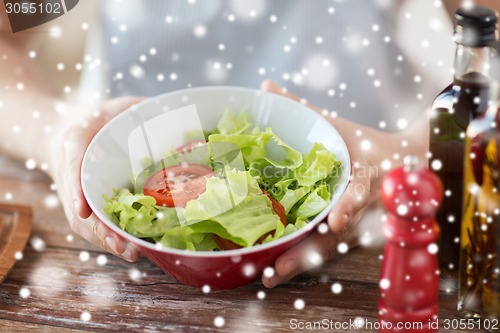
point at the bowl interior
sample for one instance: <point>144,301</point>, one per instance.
<point>117,152</point>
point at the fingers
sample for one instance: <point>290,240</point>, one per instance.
<point>111,108</point>
<point>75,145</point>
<point>308,254</point>
<point>68,180</point>
<point>81,205</point>
<point>352,203</point>
<point>96,232</point>
<point>318,247</point>
<point>273,87</point>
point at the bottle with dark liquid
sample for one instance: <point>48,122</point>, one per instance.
<point>479,280</point>
<point>452,111</point>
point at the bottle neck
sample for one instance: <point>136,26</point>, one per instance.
<point>472,60</point>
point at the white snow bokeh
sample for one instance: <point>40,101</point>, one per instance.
<point>433,248</point>
<point>84,256</point>
<point>215,71</point>
<point>314,258</point>
<point>384,283</point>
<point>206,289</point>
<point>299,304</point>
<point>200,31</point>
<point>323,228</point>
<point>55,32</point>
<point>436,165</point>
<point>383,3</point>
<point>249,270</point>
<point>135,274</point>
<point>101,260</point>
<point>37,244</point>
<point>24,292</point>
<point>219,321</point>
<point>402,123</point>
<point>336,288</point>
<point>353,43</point>
<point>366,239</point>
<point>30,164</point>
<point>386,165</point>
<point>137,71</point>
<point>365,145</point>
<point>268,272</point>
<point>402,210</point>
<point>342,248</point>
<point>321,71</point>
<point>85,316</point>
<point>248,11</point>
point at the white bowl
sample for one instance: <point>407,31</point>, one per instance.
<point>115,154</point>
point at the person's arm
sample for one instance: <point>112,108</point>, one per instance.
<point>23,93</point>
<point>35,125</point>
<point>372,154</point>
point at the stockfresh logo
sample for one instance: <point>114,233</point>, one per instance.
<point>26,14</point>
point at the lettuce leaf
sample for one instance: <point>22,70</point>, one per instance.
<point>221,195</point>
<point>318,164</point>
<point>234,208</point>
<point>255,146</point>
<point>291,197</point>
<point>290,158</point>
<point>138,214</point>
<point>245,223</point>
<point>313,204</point>
<point>231,123</point>
<point>186,238</point>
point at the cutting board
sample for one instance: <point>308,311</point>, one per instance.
<point>15,229</point>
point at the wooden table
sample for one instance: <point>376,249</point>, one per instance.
<point>70,294</point>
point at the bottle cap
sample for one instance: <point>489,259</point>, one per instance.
<point>475,26</point>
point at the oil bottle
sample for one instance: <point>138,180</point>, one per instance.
<point>479,278</point>
<point>453,109</point>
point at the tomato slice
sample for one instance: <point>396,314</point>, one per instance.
<point>174,186</point>
<point>278,208</point>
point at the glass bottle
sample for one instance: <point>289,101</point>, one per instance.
<point>453,109</point>
<point>479,278</point>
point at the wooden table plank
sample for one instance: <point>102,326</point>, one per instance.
<point>12,326</point>
<point>139,297</point>
<point>62,287</point>
<point>49,222</point>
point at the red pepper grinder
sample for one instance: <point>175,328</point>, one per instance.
<point>409,279</point>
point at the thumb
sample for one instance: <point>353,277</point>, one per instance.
<point>271,86</point>
<point>351,205</point>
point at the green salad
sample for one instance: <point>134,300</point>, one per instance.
<point>239,187</point>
